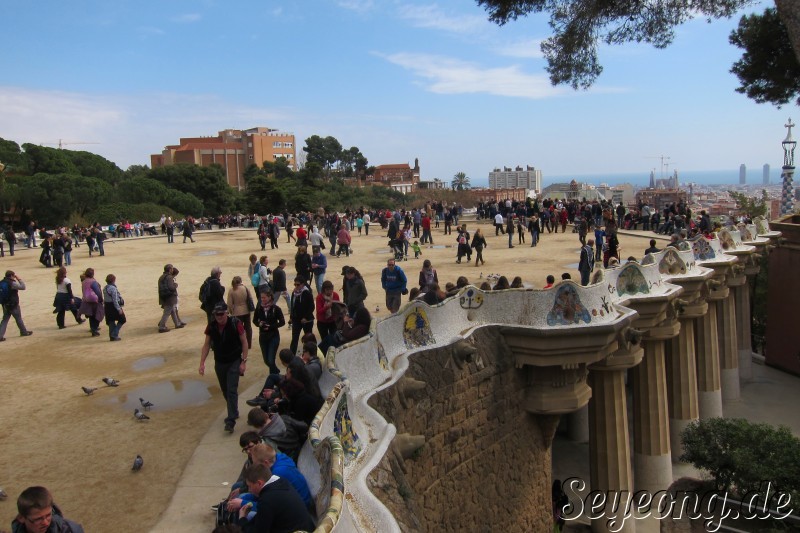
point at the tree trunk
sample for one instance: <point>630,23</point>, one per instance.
<point>789,12</point>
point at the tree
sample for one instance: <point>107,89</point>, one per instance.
<point>460,182</point>
<point>768,71</point>
<point>579,25</point>
<point>751,206</point>
<point>325,152</point>
<point>206,183</point>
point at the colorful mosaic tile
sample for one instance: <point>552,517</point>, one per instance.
<point>567,308</point>
<point>702,250</point>
<point>672,264</point>
<point>343,428</point>
<point>471,298</point>
<point>726,240</point>
<point>632,281</point>
<point>744,231</point>
<point>382,359</point>
<point>417,329</point>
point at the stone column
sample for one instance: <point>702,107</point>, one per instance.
<point>609,448</point>
<point>709,391</point>
<point>578,425</point>
<point>681,384</point>
<point>742,296</point>
<point>728,348</point>
<point>651,447</point>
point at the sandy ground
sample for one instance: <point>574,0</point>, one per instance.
<point>82,447</point>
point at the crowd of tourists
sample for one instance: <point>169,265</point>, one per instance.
<point>270,492</point>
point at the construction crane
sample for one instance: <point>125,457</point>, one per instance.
<point>662,158</point>
<point>61,143</point>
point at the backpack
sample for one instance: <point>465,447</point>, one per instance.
<point>462,239</point>
<point>205,288</point>
<point>5,292</point>
<point>256,277</point>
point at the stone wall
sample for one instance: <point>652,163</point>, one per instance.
<point>486,462</point>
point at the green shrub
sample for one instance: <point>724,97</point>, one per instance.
<point>741,455</point>
<point>112,213</point>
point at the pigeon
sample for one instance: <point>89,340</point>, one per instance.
<point>146,404</point>
<point>137,463</point>
<point>111,382</point>
<point>140,415</point>
<point>88,390</point>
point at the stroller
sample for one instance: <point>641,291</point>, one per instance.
<point>397,248</point>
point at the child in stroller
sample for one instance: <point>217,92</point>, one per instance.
<point>397,246</point>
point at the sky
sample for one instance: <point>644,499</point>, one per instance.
<point>398,79</point>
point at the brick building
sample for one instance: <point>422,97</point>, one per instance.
<point>401,177</point>
<point>234,150</point>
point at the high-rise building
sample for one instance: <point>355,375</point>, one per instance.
<point>234,150</point>
<point>766,175</point>
<point>530,178</point>
<point>742,174</point>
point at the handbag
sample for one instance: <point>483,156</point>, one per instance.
<point>250,305</point>
<point>255,279</point>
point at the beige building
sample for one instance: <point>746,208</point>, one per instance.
<point>234,150</point>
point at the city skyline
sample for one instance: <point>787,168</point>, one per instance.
<point>399,80</point>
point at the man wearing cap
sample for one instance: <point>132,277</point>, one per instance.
<point>226,336</point>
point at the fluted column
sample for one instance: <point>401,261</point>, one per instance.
<point>709,390</point>
<point>742,295</point>
<point>681,384</point>
<point>728,347</point>
<point>609,449</point>
<point>651,446</point>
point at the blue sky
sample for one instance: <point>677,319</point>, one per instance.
<point>399,80</point>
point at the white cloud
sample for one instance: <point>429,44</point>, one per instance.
<point>188,17</point>
<point>433,17</point>
<point>360,6</point>
<point>128,128</point>
<point>150,30</point>
<point>530,48</point>
<point>452,76</point>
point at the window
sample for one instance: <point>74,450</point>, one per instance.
<point>251,156</point>
<point>276,144</point>
<point>287,145</point>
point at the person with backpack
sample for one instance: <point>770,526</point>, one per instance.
<point>226,336</point>
<point>168,299</point>
<point>211,292</point>
<point>9,298</point>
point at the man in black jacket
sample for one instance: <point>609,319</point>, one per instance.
<point>280,508</point>
<point>214,292</point>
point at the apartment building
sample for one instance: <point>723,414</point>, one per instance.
<point>529,178</point>
<point>233,149</point>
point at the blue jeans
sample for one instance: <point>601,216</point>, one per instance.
<point>318,280</point>
<point>269,348</point>
<point>228,377</point>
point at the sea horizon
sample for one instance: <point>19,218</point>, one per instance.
<point>642,179</point>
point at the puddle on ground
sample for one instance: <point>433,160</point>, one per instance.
<point>166,395</point>
<point>208,252</point>
<point>440,246</point>
<point>146,363</point>
<point>572,265</point>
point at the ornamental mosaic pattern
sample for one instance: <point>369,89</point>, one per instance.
<point>417,329</point>
<point>343,428</point>
<point>567,308</point>
<point>744,231</point>
<point>672,264</point>
<point>761,225</point>
<point>632,281</point>
<point>702,250</point>
<point>383,361</point>
<point>471,298</point>
<point>726,240</point>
